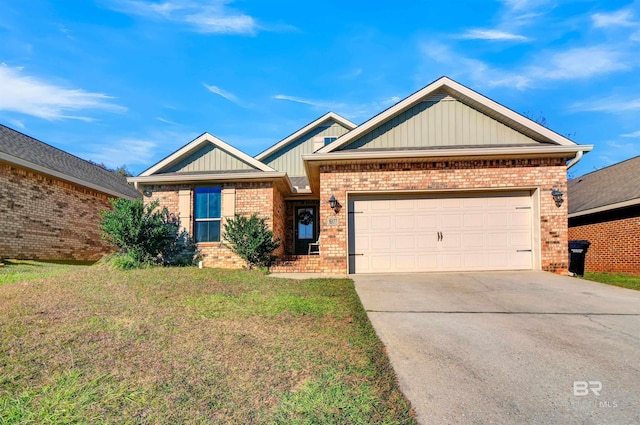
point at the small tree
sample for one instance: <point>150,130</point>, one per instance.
<point>251,239</point>
<point>140,232</point>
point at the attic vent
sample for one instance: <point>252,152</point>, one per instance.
<point>437,97</point>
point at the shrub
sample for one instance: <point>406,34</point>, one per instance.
<point>251,239</point>
<point>144,235</point>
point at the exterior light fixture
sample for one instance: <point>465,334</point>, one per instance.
<point>334,204</point>
<point>557,196</point>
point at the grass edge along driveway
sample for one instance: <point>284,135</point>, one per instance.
<point>183,345</point>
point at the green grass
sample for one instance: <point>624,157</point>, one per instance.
<point>183,345</point>
<point>617,279</point>
<point>21,270</point>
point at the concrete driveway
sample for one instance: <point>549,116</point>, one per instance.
<point>509,347</point>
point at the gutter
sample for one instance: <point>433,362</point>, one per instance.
<point>194,178</point>
<point>575,160</point>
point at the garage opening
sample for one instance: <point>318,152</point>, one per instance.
<point>448,232</point>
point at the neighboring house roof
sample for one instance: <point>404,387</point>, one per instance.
<point>330,116</point>
<point>613,187</point>
<point>441,89</point>
<point>19,149</point>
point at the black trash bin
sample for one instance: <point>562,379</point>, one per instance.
<point>578,251</point>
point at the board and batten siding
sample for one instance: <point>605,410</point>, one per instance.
<point>209,158</point>
<point>446,122</point>
<point>289,158</point>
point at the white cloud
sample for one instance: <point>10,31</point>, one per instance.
<point>223,93</point>
<point>33,96</point>
<point>620,18</point>
<point>635,134</point>
<point>212,17</point>
<point>492,34</point>
<point>166,121</point>
<point>129,151</point>
<point>610,104</point>
<point>582,62</point>
<point>299,100</point>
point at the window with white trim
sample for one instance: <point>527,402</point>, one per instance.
<point>206,211</point>
<point>328,140</point>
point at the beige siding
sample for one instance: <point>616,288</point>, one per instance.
<point>447,122</point>
<point>209,158</point>
<point>289,158</point>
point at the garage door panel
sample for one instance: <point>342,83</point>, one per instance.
<point>404,222</point>
<point>448,233</point>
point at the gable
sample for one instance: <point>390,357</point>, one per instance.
<point>207,159</point>
<point>437,122</point>
<point>289,158</point>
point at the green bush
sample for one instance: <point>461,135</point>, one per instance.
<point>144,235</point>
<point>251,239</point>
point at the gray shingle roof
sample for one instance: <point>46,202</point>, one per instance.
<point>608,186</point>
<point>69,167</point>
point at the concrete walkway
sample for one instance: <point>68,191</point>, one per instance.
<point>509,348</point>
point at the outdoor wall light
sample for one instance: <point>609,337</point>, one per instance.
<point>334,204</point>
<point>147,193</point>
<point>557,196</point>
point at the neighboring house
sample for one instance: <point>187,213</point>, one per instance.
<point>50,201</point>
<point>604,208</point>
<point>445,179</point>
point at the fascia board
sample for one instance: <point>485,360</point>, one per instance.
<point>197,178</point>
<point>604,208</point>
<point>53,173</point>
<point>195,144</point>
<point>447,153</point>
<point>287,140</point>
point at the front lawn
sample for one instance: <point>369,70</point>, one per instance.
<point>617,279</point>
<point>183,345</point>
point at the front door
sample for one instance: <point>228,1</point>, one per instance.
<point>306,228</point>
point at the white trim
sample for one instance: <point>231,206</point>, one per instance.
<point>53,173</point>
<point>452,88</point>
<point>604,208</point>
<point>197,143</point>
<point>174,178</point>
<point>286,141</point>
<point>446,153</point>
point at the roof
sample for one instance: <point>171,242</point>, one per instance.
<point>465,95</point>
<point>616,186</point>
<point>198,143</point>
<point>19,149</point>
<point>293,137</point>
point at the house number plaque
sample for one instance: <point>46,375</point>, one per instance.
<point>332,221</point>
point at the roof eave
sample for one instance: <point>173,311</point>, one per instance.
<point>605,208</point>
<point>53,173</point>
<point>218,178</point>
<point>312,161</point>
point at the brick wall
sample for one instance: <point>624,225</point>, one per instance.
<point>48,219</point>
<point>545,174</point>
<point>252,197</point>
<point>615,240</point>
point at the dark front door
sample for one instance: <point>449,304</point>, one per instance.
<point>306,228</point>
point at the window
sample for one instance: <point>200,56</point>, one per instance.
<point>328,140</point>
<point>207,214</point>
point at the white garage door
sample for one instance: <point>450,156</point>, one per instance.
<point>447,233</point>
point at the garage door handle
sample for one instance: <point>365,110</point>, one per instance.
<point>439,236</point>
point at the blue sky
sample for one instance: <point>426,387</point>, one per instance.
<point>130,81</point>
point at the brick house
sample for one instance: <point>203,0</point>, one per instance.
<point>604,208</point>
<point>445,179</point>
<point>50,201</point>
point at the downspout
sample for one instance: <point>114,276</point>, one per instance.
<point>575,160</point>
